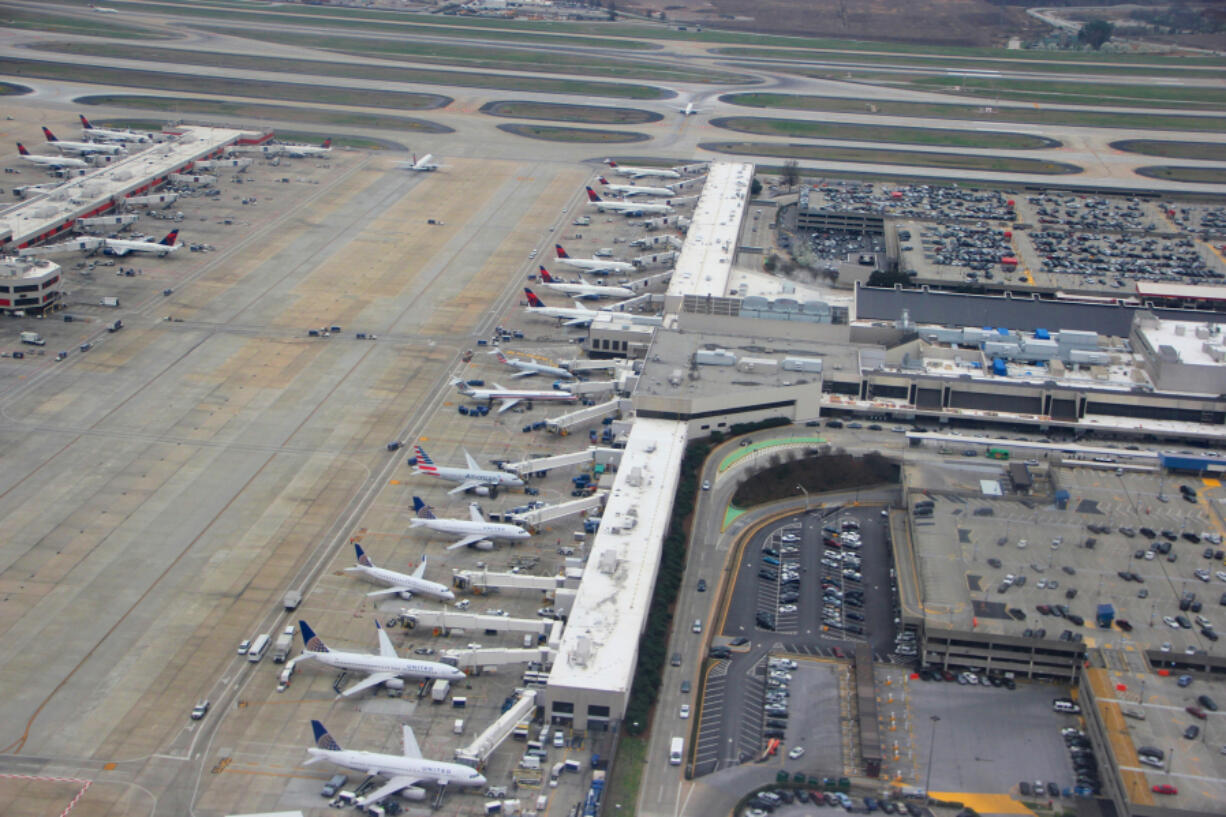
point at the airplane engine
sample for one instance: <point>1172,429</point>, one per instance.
<point>486,490</point>
<point>405,594</point>
<point>484,544</point>
<point>395,683</point>
<point>413,793</point>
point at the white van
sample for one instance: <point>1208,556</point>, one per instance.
<point>1066,706</point>
<point>675,748</point>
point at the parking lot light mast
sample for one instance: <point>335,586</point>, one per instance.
<point>932,743</point>
<point>801,488</point>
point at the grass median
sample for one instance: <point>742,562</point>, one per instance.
<point>945,161</point>
<point>552,133</point>
<point>562,112</point>
<point>1180,173</point>
<point>1172,149</point>
<point>850,131</point>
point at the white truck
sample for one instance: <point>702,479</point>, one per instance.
<point>438,692</point>
<point>33,338</point>
<point>280,649</point>
<point>675,749</point>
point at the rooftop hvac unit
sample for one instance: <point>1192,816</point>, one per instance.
<point>607,563</point>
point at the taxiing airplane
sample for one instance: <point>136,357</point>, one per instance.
<point>635,190</point>
<point>583,289</point>
<point>638,172</point>
<point>82,148</point>
<point>473,478</point>
<point>626,208</point>
<point>384,668</point>
<point>402,771</point>
<point>305,151</point>
<point>405,584</point>
<point>120,246</point>
<point>510,397</point>
<point>53,162</point>
<point>689,109</point>
<point>422,165</point>
<point>105,135</point>
<point>604,265</point>
<point>527,368</point>
<point>476,532</point>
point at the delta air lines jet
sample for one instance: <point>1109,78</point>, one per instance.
<point>91,132</point>
<point>637,172</point>
<point>583,289</point>
<point>81,148</point>
<point>626,208</point>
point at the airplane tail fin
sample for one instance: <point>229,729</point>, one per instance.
<point>424,462</point>
<point>602,180</point>
<point>50,136</point>
<point>500,357</point>
<point>545,276</point>
<point>22,149</point>
<point>310,641</point>
<point>170,239</point>
<point>85,123</point>
<point>362,558</point>
<point>322,739</point>
<point>591,195</point>
<point>611,163</point>
<point>327,143</point>
<point>533,301</point>
<point>557,248</point>
<point>423,510</point>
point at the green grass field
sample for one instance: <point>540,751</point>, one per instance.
<point>259,112</point>
<point>626,776</point>
<point>946,161</point>
<point>552,133</point>
<point>90,24</point>
<point>1169,149</point>
<point>934,137</point>
<point>561,112</point>
<point>1081,93</point>
<point>956,110</point>
<point>1192,175</point>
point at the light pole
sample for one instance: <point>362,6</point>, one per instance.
<point>801,488</point>
<point>931,747</point>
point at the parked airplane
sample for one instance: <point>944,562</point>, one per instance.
<point>91,132</point>
<point>384,668</point>
<point>406,584</point>
<point>475,531</point>
<point>584,289</point>
<point>637,172</point>
<point>510,397</point>
<point>635,190</point>
<point>576,316</point>
<point>531,367</point>
<point>81,148</point>
<point>473,478</point>
<point>402,771</point>
<point>53,162</point>
<point>305,151</point>
<point>120,246</point>
<point>422,165</point>
<point>605,265</point>
<point>626,208</point>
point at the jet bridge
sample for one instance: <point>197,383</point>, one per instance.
<point>481,580</point>
<point>475,658</point>
<point>525,467</point>
<point>590,386</point>
<point>584,365</point>
<point>447,619</point>
<point>484,745</point>
<point>564,423</point>
<point>537,517</point>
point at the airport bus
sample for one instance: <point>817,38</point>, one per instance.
<point>258,648</point>
<point>998,453</point>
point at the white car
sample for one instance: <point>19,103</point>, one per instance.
<point>1170,622</point>
<point>1221,574</point>
<point>1166,645</point>
<point>706,484</point>
<point>243,646</point>
<point>1201,574</point>
<point>685,710</point>
<point>796,752</point>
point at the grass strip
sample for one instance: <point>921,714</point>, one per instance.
<point>934,137</point>
<point>947,161</point>
<point>552,133</point>
<point>1171,149</point>
<point>88,24</point>
<point>562,112</point>
<point>1179,173</point>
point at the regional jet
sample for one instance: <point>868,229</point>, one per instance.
<point>422,165</point>
<point>511,397</point>
<point>475,532</point>
<point>105,135</point>
<point>385,668</point>
<point>584,289</point>
<point>402,771</point>
<point>635,190</point>
<point>405,584</point>
<point>592,264</point>
<point>53,162</point>
<point>626,208</point>
<point>473,478</point>
<point>637,172</point>
<point>82,148</point>
<point>528,368</point>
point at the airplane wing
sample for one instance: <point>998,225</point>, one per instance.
<point>115,249</point>
<point>420,570</point>
<point>472,464</point>
<point>374,679</point>
<point>474,512</point>
<point>386,650</point>
<point>506,404</point>
<point>466,541</point>
<point>581,321</point>
<point>389,788</point>
<point>389,591</point>
<point>466,485</point>
<point>522,373</point>
<point>411,749</point>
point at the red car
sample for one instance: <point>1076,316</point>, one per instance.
<point>1165,788</point>
<point>1196,712</point>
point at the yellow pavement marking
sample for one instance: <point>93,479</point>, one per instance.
<point>985,803</point>
<point>1210,482</point>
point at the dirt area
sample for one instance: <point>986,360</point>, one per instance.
<point>953,22</point>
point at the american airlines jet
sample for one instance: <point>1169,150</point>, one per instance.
<point>402,771</point>
<point>82,148</point>
<point>527,368</point>
<point>405,584</point>
<point>635,190</point>
<point>476,532</point>
<point>626,208</point>
<point>592,264</point>
<point>384,668</point>
<point>473,478</point>
<point>638,172</point>
<point>423,165</point>
<point>53,162</point>
<point>583,289</point>
<point>91,132</point>
<point>511,397</point>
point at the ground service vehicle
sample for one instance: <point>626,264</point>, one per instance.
<point>259,647</point>
<point>674,751</point>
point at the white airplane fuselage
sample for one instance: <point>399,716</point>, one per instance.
<point>500,478</point>
<point>519,394</point>
<point>436,771</point>
<point>630,207</point>
<point>86,148</point>
<point>54,161</point>
<point>634,190</point>
<point>393,578</point>
<point>637,172</point>
<point>123,247</point>
<point>532,367</point>
<point>115,135</point>
<point>403,667</point>
<point>598,264</point>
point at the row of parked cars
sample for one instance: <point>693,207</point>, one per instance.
<point>778,674</point>
<point>767,801</point>
<point>841,580</point>
<point>994,679</point>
